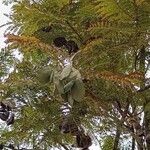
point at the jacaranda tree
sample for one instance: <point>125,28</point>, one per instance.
<point>83,75</point>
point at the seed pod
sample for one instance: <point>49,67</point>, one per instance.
<point>71,46</point>
<point>83,141</point>
<point>4,115</point>
<point>68,126</point>
<point>1,146</point>
<point>59,41</point>
<point>11,146</point>
<point>4,107</point>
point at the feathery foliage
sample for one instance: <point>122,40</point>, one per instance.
<point>104,87</point>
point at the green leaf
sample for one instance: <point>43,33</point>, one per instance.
<point>74,74</point>
<point>66,72</point>
<point>58,84</point>
<point>45,74</point>
<point>78,90</point>
<point>68,86</point>
<point>60,87</point>
<point>70,99</point>
<point>51,77</point>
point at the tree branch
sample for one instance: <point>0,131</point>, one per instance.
<point>117,138</point>
<point>75,31</point>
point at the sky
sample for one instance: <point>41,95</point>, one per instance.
<point>3,19</point>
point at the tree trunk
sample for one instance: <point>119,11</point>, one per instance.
<point>117,137</point>
<point>140,141</point>
<point>147,125</point>
<point>133,144</point>
<point>133,140</point>
<point>140,145</point>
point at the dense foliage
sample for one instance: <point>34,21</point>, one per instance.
<point>83,75</point>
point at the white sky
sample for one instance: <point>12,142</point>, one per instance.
<point>3,19</point>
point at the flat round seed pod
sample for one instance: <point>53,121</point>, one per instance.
<point>59,41</point>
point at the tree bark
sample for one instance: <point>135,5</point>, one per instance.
<point>133,140</point>
<point>140,142</point>
<point>147,124</point>
<point>142,86</point>
<point>117,137</point>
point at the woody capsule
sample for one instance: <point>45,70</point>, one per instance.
<point>6,114</point>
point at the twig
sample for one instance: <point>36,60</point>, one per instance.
<point>75,31</point>
<point>5,24</point>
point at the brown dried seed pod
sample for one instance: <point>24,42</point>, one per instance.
<point>59,41</point>
<point>83,141</point>
<point>71,46</point>
<point>4,115</point>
